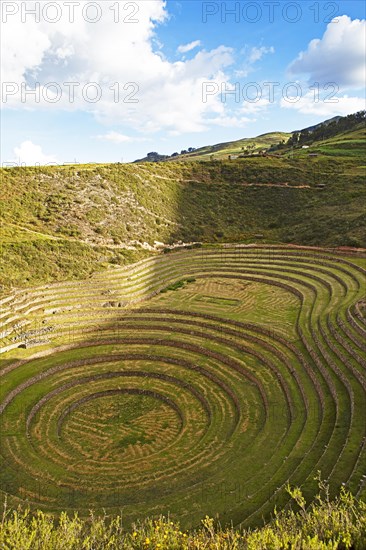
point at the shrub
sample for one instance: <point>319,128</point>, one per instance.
<point>324,525</point>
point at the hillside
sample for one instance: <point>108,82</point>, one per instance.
<point>221,151</point>
<point>349,143</point>
<point>66,222</point>
<point>268,144</point>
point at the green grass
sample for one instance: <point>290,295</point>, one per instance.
<point>218,301</point>
<point>178,284</point>
<point>206,399</point>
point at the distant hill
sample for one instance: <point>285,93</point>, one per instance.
<point>329,129</point>
<point>221,151</point>
<point>269,143</point>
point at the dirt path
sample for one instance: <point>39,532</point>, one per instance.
<point>53,238</point>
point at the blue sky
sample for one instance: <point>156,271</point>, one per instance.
<point>151,76</point>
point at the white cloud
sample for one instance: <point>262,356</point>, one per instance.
<point>343,105</point>
<point>138,88</point>
<point>184,48</point>
<point>254,107</point>
<point>23,49</point>
<point>339,56</point>
<point>257,53</point>
<point>30,154</point>
<point>116,137</point>
<point>251,57</point>
<point>228,121</point>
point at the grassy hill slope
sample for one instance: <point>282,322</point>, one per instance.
<point>279,143</point>
<point>350,143</point>
<point>221,151</point>
<point>68,221</point>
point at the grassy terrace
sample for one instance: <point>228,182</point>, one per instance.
<point>196,382</point>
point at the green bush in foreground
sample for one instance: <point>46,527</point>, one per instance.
<point>326,524</point>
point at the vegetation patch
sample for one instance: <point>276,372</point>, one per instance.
<point>219,301</point>
<point>337,524</point>
<point>178,284</point>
